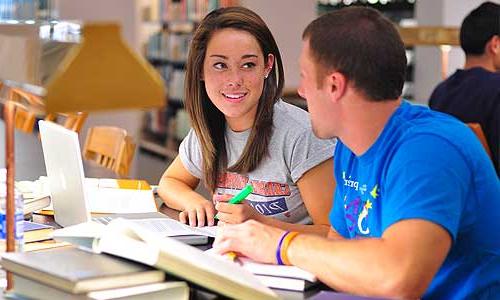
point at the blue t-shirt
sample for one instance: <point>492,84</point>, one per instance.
<point>426,165</point>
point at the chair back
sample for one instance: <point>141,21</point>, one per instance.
<point>25,107</point>
<point>31,106</point>
<point>110,147</point>
<point>72,121</point>
<point>476,128</point>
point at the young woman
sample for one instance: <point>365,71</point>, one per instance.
<point>244,134</point>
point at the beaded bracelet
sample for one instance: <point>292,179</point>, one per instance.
<point>278,249</point>
<point>284,247</point>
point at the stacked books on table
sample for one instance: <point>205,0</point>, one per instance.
<point>280,277</point>
<point>35,194</point>
<point>127,239</point>
<point>289,278</point>
<point>72,273</point>
<point>35,232</point>
<point>105,192</point>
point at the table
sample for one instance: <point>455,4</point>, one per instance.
<point>197,292</point>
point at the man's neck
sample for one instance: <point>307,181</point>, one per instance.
<point>479,61</point>
<point>365,122</point>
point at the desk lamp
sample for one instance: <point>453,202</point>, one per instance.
<point>93,73</point>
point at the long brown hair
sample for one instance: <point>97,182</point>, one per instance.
<point>208,122</point>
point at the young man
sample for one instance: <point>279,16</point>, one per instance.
<point>473,94</point>
<point>417,203</point>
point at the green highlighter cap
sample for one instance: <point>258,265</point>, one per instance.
<point>238,198</point>
<point>241,195</point>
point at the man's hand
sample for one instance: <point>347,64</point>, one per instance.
<point>196,212</point>
<point>252,239</point>
<point>234,213</point>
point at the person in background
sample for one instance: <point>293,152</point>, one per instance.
<point>243,133</point>
<point>417,208</point>
<point>473,94</point>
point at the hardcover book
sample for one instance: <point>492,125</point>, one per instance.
<point>78,271</point>
<point>31,289</point>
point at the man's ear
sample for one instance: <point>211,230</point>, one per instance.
<point>337,85</point>
<point>494,45</point>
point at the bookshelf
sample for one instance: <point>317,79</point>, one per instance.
<point>170,25</point>
<point>401,12</point>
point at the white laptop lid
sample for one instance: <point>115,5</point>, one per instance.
<point>63,163</point>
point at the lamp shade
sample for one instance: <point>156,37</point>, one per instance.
<point>103,73</point>
<point>71,70</point>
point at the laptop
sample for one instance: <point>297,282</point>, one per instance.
<point>73,199</point>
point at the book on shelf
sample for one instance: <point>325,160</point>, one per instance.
<point>78,271</point>
<point>35,232</point>
<point>125,239</point>
<point>32,289</point>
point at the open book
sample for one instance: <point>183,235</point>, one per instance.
<point>128,240</point>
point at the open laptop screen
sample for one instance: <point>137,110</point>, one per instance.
<point>63,163</point>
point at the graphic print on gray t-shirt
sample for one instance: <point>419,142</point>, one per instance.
<point>293,150</point>
<point>271,195</point>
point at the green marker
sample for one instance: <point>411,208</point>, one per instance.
<point>238,198</point>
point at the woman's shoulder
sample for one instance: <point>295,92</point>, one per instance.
<point>294,117</point>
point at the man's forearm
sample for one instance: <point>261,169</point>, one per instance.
<point>364,267</point>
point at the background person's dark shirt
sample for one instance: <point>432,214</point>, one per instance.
<point>473,95</point>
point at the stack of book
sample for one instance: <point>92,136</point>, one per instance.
<point>290,278</point>
<point>127,239</point>
<point>35,232</point>
<point>72,273</point>
<point>35,195</point>
<point>280,277</point>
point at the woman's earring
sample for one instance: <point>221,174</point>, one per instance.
<point>265,76</point>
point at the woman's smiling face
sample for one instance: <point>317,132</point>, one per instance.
<point>234,71</point>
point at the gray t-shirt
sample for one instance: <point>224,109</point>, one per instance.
<point>293,150</point>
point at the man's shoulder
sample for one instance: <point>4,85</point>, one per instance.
<point>465,88</point>
<point>419,123</point>
<point>475,78</point>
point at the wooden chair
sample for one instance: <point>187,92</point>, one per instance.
<point>110,147</point>
<point>26,106</point>
<point>71,121</point>
<point>476,128</point>
<point>31,106</point>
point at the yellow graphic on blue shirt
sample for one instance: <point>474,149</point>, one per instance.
<point>373,192</point>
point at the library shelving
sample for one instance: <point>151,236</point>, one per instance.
<point>167,51</point>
